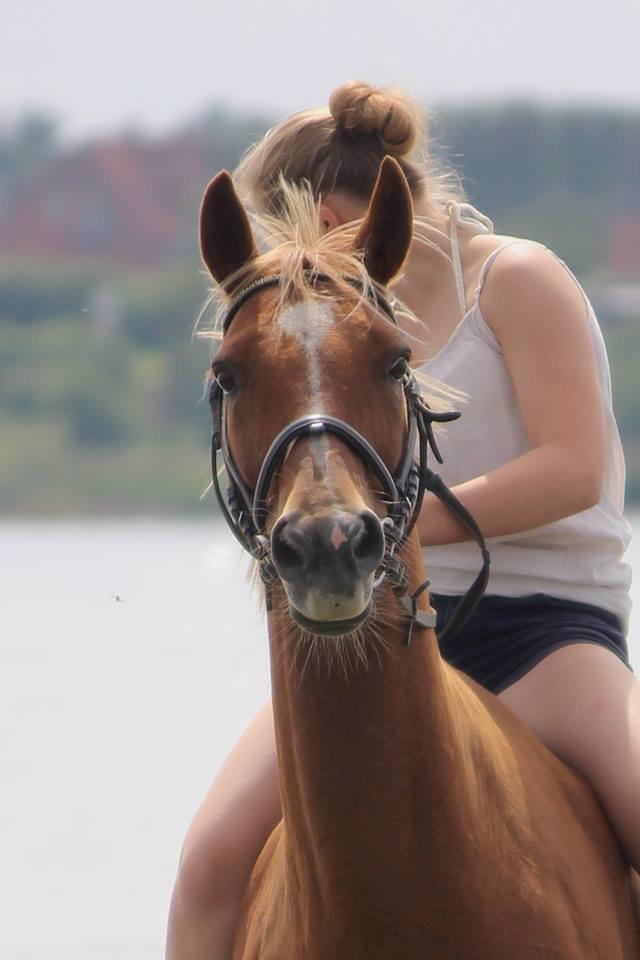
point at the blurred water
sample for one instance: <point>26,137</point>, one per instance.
<point>133,653</point>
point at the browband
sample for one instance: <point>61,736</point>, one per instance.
<point>377,298</point>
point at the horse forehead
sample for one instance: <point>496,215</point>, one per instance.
<point>308,321</point>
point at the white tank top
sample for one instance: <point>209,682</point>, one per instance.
<point>577,558</point>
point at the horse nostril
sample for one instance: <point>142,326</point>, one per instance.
<point>367,542</point>
<point>287,556</point>
<point>329,549</point>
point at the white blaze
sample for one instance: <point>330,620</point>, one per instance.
<point>309,322</point>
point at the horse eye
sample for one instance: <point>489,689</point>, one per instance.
<point>400,369</point>
<point>225,379</point>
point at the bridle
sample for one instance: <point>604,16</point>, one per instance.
<point>246,510</point>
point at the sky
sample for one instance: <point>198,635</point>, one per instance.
<point>100,65</point>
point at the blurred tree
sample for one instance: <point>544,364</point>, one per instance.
<point>512,154</point>
<point>26,146</point>
<point>227,133</point>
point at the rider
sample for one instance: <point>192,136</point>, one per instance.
<point>536,458</point>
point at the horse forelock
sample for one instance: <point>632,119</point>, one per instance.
<point>294,246</point>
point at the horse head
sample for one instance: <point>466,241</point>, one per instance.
<point>314,401</point>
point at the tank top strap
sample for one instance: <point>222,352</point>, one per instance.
<point>466,216</point>
<point>456,261</point>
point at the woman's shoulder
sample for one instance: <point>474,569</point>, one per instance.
<point>520,279</point>
<point>502,254</point>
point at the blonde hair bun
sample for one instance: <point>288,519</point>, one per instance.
<point>359,108</point>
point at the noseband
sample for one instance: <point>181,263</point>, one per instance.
<point>246,510</point>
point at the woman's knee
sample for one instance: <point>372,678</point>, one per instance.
<point>212,871</point>
<point>610,760</point>
<point>232,825</point>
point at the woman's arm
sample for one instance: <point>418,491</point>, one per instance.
<point>538,315</point>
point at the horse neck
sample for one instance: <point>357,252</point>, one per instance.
<point>368,761</point>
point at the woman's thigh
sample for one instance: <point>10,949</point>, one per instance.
<point>584,704</point>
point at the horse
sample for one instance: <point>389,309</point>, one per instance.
<point>421,819</point>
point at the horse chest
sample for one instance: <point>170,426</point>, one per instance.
<point>430,924</point>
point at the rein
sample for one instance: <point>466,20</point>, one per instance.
<point>246,511</point>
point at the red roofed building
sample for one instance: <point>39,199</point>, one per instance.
<point>119,200</point>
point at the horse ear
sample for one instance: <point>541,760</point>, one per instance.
<point>386,231</point>
<point>226,238</point>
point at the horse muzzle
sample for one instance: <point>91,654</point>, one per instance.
<point>327,564</point>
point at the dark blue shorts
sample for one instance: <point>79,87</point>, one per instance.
<point>507,636</point>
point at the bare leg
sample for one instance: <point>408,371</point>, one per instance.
<point>585,706</point>
<point>222,844</point>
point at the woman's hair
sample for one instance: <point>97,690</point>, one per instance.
<point>341,148</point>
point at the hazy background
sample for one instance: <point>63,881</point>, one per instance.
<point>132,656</point>
<point>101,65</point>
